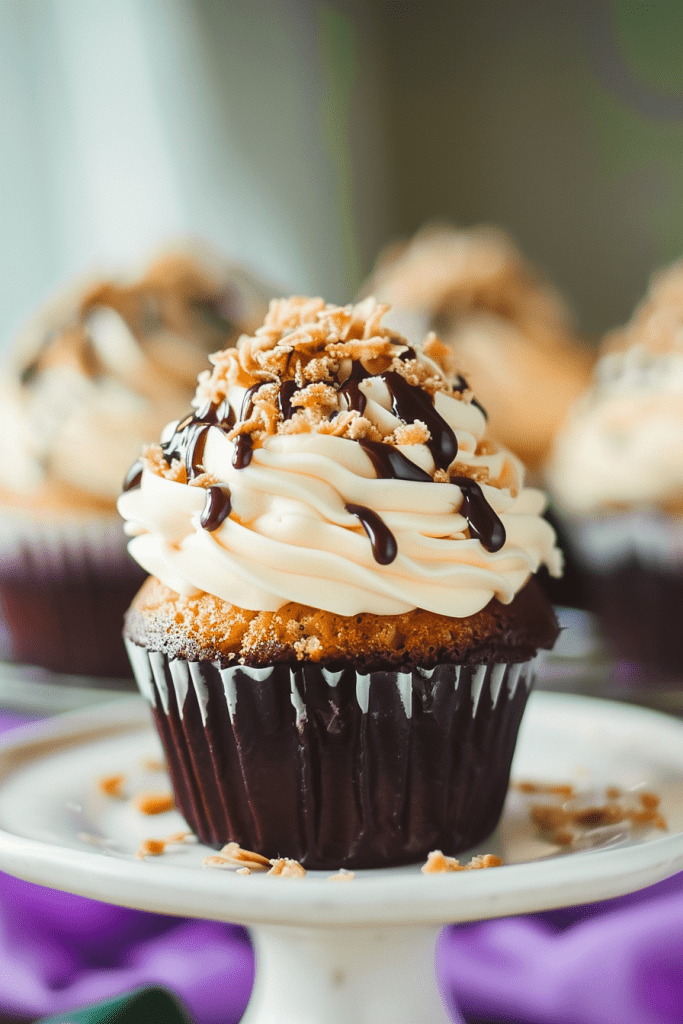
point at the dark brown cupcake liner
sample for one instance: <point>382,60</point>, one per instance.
<point>337,768</point>
<point>64,589</point>
<point>633,575</point>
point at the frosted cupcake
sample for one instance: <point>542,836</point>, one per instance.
<point>97,373</point>
<point>339,632</point>
<point>617,477</point>
<point>509,328</point>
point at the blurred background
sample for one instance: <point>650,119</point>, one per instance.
<point>300,137</point>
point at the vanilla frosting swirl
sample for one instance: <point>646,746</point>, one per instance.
<point>294,532</point>
<point>622,445</point>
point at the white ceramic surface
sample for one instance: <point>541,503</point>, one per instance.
<point>58,830</point>
<point>334,952</point>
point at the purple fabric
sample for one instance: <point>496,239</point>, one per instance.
<point>605,963</point>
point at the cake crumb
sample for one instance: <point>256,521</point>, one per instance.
<point>176,838</point>
<point>216,861</point>
<point>153,764</point>
<point>150,848</point>
<point>234,853</point>
<point>574,818</point>
<point>112,785</point>
<point>243,871</point>
<point>287,868</point>
<point>484,860</point>
<point>342,876</point>
<point>438,863</point>
<point>148,802</point>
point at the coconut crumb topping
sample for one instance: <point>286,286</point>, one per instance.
<point>342,876</point>
<point>439,863</point>
<point>565,817</point>
<point>314,345</point>
<point>112,785</point>
<point>287,868</point>
<point>156,847</point>
<point>148,802</point>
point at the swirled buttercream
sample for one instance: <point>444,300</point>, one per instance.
<point>100,370</point>
<point>622,445</point>
<point>327,434</point>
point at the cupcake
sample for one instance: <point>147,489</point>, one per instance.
<point>616,477</point>
<point>98,372</point>
<point>339,632</point>
<point>510,330</point>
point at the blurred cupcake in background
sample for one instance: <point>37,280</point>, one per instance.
<point>509,329</point>
<point>97,373</point>
<point>617,476</point>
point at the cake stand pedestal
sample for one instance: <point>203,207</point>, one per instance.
<point>359,951</point>
<point>345,976</point>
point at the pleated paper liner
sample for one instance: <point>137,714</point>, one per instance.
<point>337,768</point>
<point>64,588</point>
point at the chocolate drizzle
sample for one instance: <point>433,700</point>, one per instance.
<point>384,547</point>
<point>483,522</point>
<point>350,390</point>
<point>391,464</point>
<point>133,477</point>
<point>216,508</point>
<point>194,451</point>
<point>411,403</point>
<point>461,386</point>
<point>244,444</point>
<point>288,389</point>
<point>241,457</point>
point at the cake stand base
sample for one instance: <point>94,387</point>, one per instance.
<point>345,976</point>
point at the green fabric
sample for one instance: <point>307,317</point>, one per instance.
<point>143,1006</point>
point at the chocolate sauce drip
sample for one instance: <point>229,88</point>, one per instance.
<point>243,452</point>
<point>241,456</point>
<point>288,389</point>
<point>384,547</point>
<point>390,463</point>
<point>133,476</point>
<point>216,508</point>
<point>461,386</point>
<point>194,452</point>
<point>350,390</point>
<point>411,403</point>
<point>483,522</point>
<point>248,401</point>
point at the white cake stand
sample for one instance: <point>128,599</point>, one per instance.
<point>331,952</point>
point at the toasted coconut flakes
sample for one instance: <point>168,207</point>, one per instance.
<point>287,868</point>
<point>177,838</point>
<point>342,876</point>
<point>243,871</point>
<point>112,785</point>
<point>234,853</point>
<point>485,860</point>
<point>150,848</point>
<point>148,802</point>
<point>216,861</point>
<point>437,863</point>
<point>411,433</point>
